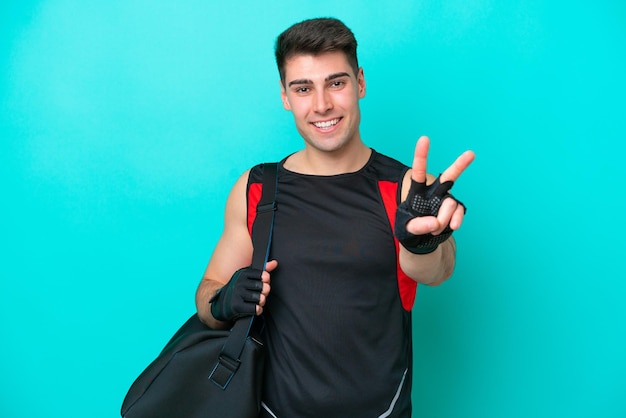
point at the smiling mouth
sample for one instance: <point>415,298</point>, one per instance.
<point>326,124</point>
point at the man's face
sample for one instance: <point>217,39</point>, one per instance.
<point>323,94</point>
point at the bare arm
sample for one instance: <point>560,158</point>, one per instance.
<point>232,252</point>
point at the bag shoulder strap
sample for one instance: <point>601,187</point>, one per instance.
<point>264,221</point>
<point>228,361</point>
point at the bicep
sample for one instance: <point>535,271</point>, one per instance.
<point>234,248</point>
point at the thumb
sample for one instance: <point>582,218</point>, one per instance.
<point>422,225</point>
<point>271,265</point>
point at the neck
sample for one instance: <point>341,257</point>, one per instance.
<point>322,163</point>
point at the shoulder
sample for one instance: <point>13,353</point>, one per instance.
<point>255,174</point>
<point>387,168</point>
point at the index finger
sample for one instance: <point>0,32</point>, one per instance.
<point>453,172</point>
<point>418,172</point>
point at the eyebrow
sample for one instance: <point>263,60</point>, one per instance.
<point>329,78</point>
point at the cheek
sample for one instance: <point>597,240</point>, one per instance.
<point>347,101</point>
<point>299,110</point>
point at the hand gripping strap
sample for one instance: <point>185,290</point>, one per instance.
<point>422,200</point>
<point>228,361</point>
<point>239,297</point>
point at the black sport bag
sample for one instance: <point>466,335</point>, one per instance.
<point>205,373</point>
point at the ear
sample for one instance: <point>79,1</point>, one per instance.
<point>361,83</point>
<point>283,96</point>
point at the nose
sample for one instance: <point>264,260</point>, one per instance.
<point>322,102</point>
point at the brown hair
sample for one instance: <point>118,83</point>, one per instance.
<point>315,36</point>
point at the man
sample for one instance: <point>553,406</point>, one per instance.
<point>343,277</point>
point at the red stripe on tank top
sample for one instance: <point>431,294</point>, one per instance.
<point>254,196</point>
<point>406,286</point>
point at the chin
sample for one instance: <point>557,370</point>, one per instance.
<point>328,145</point>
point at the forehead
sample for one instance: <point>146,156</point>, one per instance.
<point>316,67</point>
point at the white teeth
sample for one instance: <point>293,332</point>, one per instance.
<point>327,124</point>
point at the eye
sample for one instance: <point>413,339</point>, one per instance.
<point>302,90</point>
<point>337,84</point>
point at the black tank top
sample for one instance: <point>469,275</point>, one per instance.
<point>338,321</point>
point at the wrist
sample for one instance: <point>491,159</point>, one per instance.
<point>420,250</point>
<point>216,308</point>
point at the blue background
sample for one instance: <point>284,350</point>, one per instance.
<point>124,124</point>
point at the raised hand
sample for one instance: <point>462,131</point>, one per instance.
<point>430,213</point>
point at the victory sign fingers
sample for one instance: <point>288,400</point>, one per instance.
<point>420,159</point>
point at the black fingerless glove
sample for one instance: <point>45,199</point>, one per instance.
<point>239,297</point>
<point>422,201</point>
